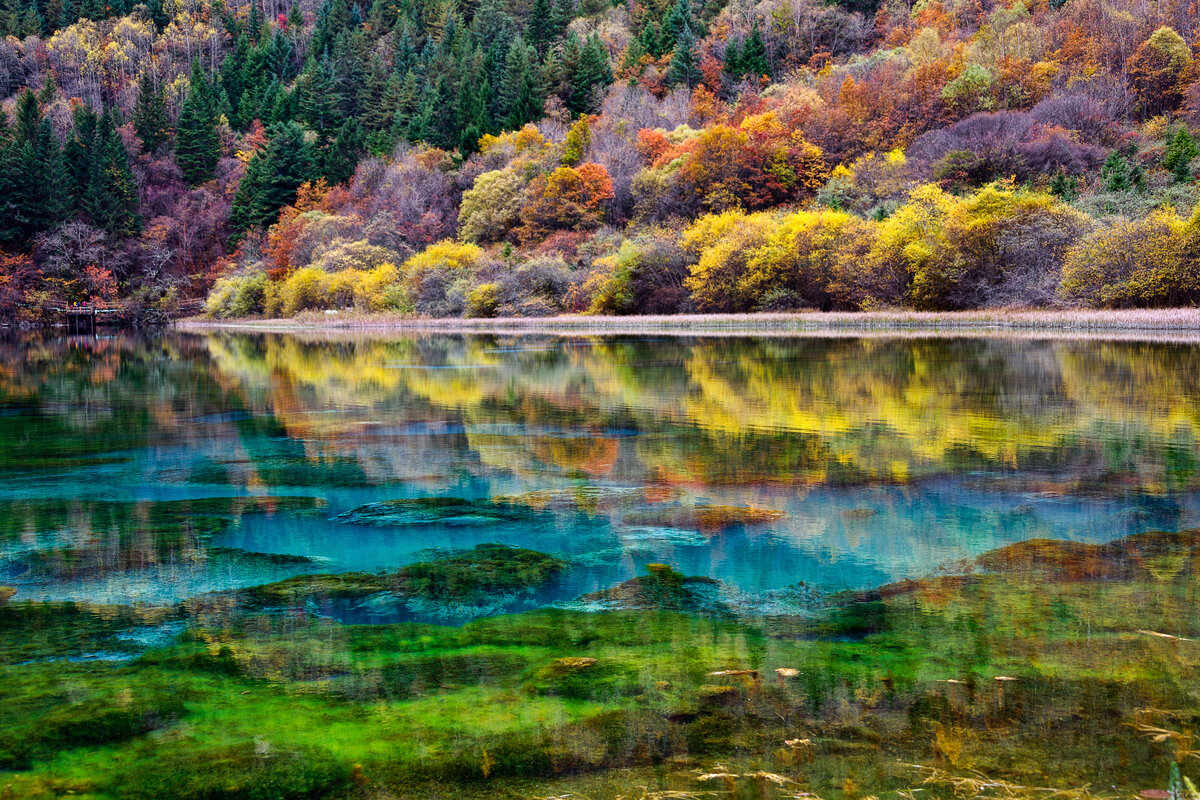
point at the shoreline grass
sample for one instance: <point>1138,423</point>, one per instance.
<point>1181,322</point>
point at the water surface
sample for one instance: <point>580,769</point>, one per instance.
<point>873,460</point>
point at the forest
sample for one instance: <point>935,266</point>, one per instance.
<point>535,157</point>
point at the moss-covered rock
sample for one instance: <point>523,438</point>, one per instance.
<point>662,587</point>
<point>486,573</point>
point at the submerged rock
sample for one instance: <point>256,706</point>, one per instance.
<point>708,519</point>
<point>661,588</point>
<point>1121,558</point>
<point>490,575</point>
<point>253,557</point>
<point>439,510</point>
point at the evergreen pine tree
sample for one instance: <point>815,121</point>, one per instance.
<point>1180,152</point>
<point>316,103</point>
<point>733,60</point>
<point>473,117</point>
<point>150,120</point>
<point>684,69</point>
<point>754,55</point>
<point>373,100</point>
<point>678,17</point>
<point>343,153</point>
<point>591,71</point>
<point>560,17</point>
<point>53,181</point>
<point>271,180</point>
<point>538,26</point>
<point>1116,174</point>
<point>110,200</point>
<point>29,118</point>
<point>520,96</point>
<point>1064,186</point>
<point>197,146</point>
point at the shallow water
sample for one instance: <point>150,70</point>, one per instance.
<point>169,487</point>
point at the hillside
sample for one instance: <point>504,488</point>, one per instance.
<point>524,158</point>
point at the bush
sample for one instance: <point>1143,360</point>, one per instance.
<point>237,296</point>
<point>1130,263</point>
<point>360,255</point>
<point>491,208</point>
<point>483,300</point>
<point>537,287</point>
<point>724,243</point>
<point>644,276</point>
<point>377,289</point>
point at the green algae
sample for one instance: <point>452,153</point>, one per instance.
<point>475,575</point>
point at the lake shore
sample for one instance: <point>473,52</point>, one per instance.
<point>1182,322</point>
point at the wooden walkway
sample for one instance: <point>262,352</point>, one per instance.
<point>82,318</point>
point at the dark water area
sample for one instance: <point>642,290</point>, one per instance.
<point>911,526</point>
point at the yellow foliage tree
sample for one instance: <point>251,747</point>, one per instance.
<point>1130,263</point>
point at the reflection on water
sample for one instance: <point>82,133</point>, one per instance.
<point>877,459</point>
<point>597,567</point>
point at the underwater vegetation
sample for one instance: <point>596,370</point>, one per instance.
<point>471,576</point>
<point>1031,678</point>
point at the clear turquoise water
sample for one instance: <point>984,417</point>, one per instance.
<point>882,459</point>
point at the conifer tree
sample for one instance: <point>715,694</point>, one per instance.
<point>1116,174</point>
<point>754,55</point>
<point>560,18</point>
<point>473,118</point>
<point>52,180</point>
<point>733,60</point>
<point>29,118</point>
<point>197,146</point>
<point>591,71</point>
<point>684,69</point>
<point>271,180</point>
<point>538,26</point>
<point>1179,155</point>
<point>520,95</point>
<point>150,120</point>
<point>110,199</point>
<point>344,152</point>
<point>317,104</point>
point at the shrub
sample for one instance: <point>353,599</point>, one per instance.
<point>998,247</point>
<point>802,256</point>
<point>301,290</point>
<point>1133,263</point>
<point>644,276</point>
<point>360,255</point>
<point>446,254</point>
<point>483,300</point>
<point>491,208</point>
<point>724,243</point>
<point>237,296</point>
<point>538,286</point>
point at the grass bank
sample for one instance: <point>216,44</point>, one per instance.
<point>1175,321</point>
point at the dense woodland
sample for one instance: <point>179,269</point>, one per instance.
<point>528,157</point>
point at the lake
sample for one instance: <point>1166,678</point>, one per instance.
<point>799,564</point>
